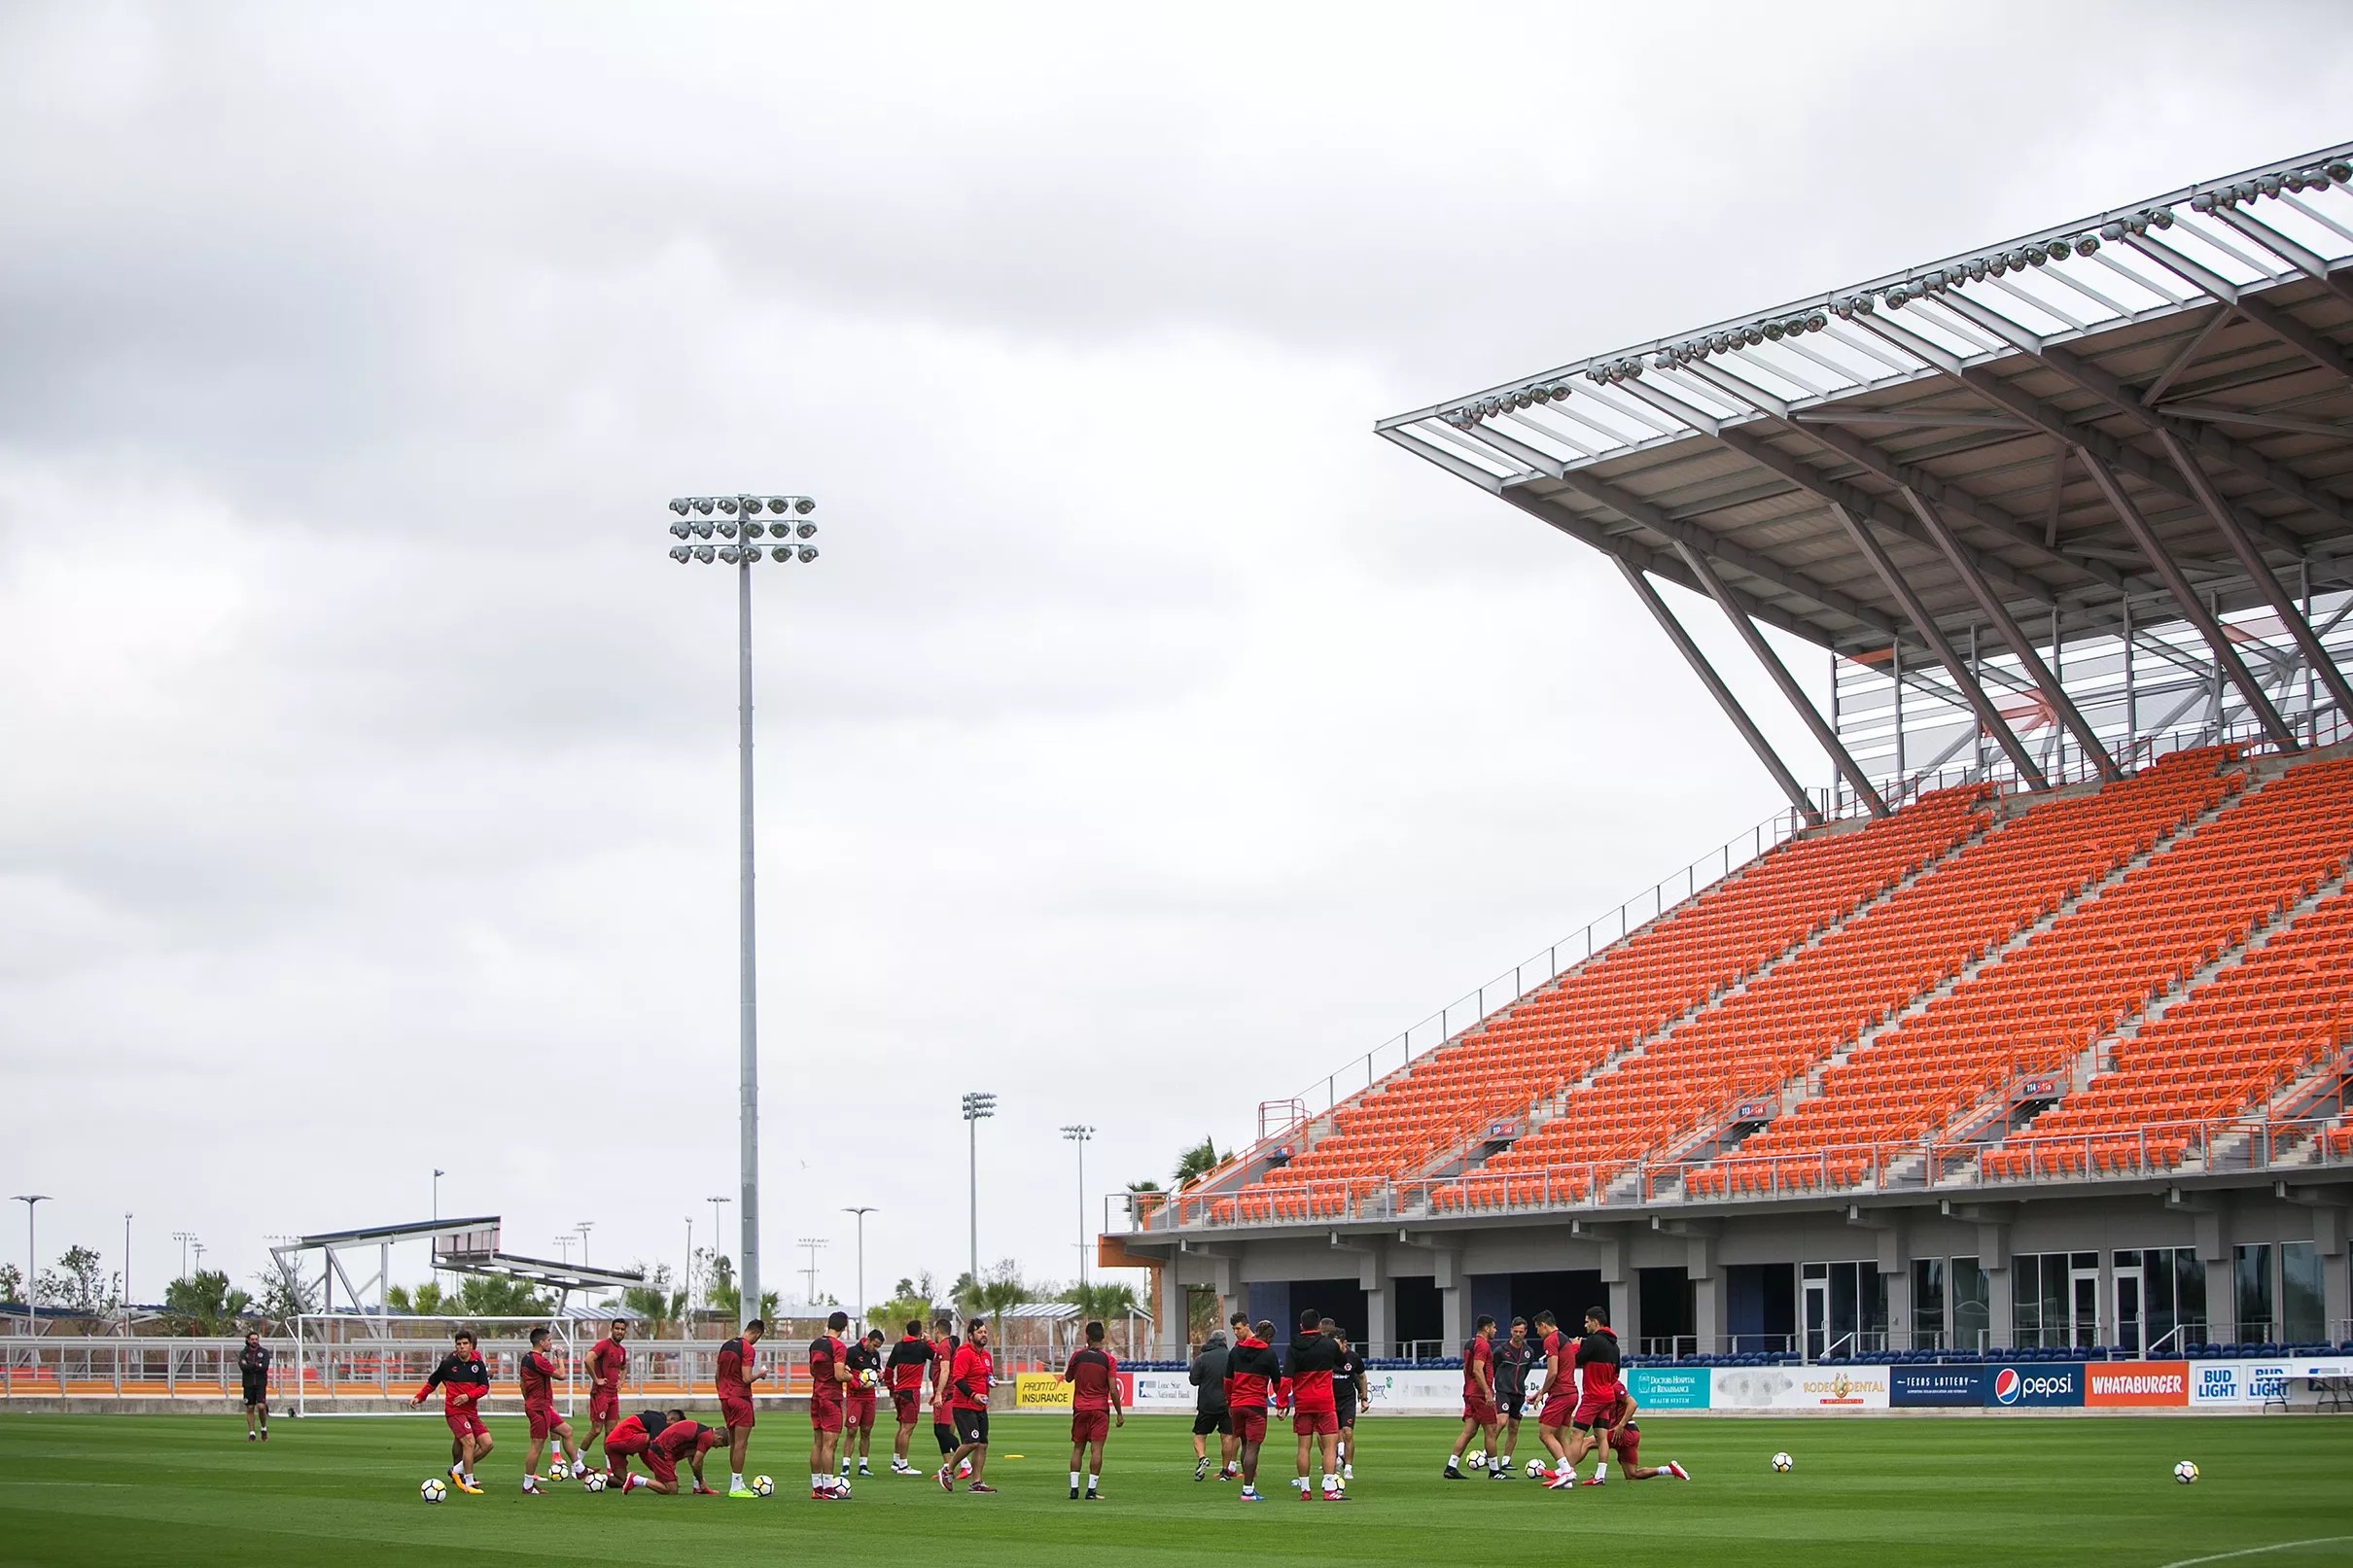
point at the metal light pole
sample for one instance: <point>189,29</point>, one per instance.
<point>184,1237</point>
<point>584,1228</point>
<point>32,1202</point>
<point>978,1106</point>
<point>861,1214</point>
<point>694,522</point>
<point>437,1174</point>
<point>717,1229</point>
<point>688,1283</point>
<point>564,1244</point>
<point>1078,1132</point>
<point>813,1243</point>
<point>127,1218</point>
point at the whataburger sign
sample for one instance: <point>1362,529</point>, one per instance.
<point>2137,1383</point>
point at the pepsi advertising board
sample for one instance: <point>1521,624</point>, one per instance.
<point>2036,1385</point>
<point>1963,1388</point>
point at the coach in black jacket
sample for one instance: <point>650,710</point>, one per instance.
<point>1209,1409</point>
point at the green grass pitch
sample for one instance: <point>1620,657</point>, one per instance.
<point>187,1492</point>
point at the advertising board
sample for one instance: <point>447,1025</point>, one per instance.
<point>1671,1388</point>
<point>1798,1388</point>
<point>2137,1384</point>
<point>1161,1391</point>
<point>2035,1386</point>
<point>1922,1387</point>
<point>1044,1391</point>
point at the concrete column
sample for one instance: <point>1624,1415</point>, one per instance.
<point>1626,1313</point>
<point>1708,1309</point>
<point>1453,1298</point>
<point>1170,1328</point>
<point>1998,1316</point>
<point>1901,1332</point>
<point>1380,1303</point>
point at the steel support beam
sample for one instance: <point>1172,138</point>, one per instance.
<point>2274,592</point>
<point>2257,309</point>
<point>1989,718</point>
<point>2194,610</point>
<point>2019,642</point>
<point>1716,689</point>
<point>1828,739</point>
<point>2310,264</point>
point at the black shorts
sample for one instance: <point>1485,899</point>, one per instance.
<point>945,1432</point>
<point>256,1393</point>
<point>1513,1410</point>
<point>972,1426</point>
<point>1346,1410</point>
<point>1208,1421</point>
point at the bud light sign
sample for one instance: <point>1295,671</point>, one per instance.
<point>2039,1385</point>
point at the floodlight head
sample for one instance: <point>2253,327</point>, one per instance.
<point>702,530</point>
<point>678,504</point>
<point>728,553</point>
<point>726,531</point>
<point>752,530</point>
<point>808,553</point>
<point>702,503</point>
<point>804,530</point>
<point>727,504</point>
<point>704,553</point>
<point>2086,244</point>
<point>680,530</point>
<point>804,505</point>
<point>680,554</point>
<point>777,504</point>
<point>2340,171</point>
<point>781,554</point>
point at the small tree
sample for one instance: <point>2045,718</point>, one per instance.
<point>1198,1162</point>
<point>425,1300</point>
<point>1104,1301</point>
<point>203,1303</point>
<point>284,1295</point>
<point>655,1301</point>
<point>493,1296</point>
<point>12,1284</point>
<point>79,1285</point>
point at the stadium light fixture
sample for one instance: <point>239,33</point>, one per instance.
<point>813,1244</point>
<point>32,1202</point>
<point>978,1107</point>
<point>1080,1132</point>
<point>741,509</point>
<point>184,1237</point>
<point>862,1211</point>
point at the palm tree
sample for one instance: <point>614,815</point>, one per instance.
<point>1001,1287</point>
<point>1104,1303</point>
<point>1198,1162</point>
<point>1144,1198</point>
<point>203,1303</point>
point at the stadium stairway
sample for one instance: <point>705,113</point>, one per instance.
<point>2033,1014</point>
<point>1438,1106</point>
<point>1744,1061</point>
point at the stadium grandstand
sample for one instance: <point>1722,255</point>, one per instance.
<point>2027,1031</point>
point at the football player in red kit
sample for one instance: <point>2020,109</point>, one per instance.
<point>536,1372</point>
<point>1555,1400</point>
<point>905,1371</point>
<point>1094,1380</point>
<point>608,1362</point>
<point>1479,1412</point>
<point>1626,1442</point>
<point>661,1438</point>
<point>1596,1362</point>
<point>464,1381</point>
<point>1315,1405</point>
<point>738,1370</point>
<point>1251,1373</point>
<point>859,1402</point>
<point>969,1381</point>
<point>829,1409</point>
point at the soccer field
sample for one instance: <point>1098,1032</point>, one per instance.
<point>186,1492</point>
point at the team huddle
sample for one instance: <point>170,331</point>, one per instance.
<point>1583,1407</point>
<point>952,1375</point>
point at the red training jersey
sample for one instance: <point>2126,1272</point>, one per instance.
<point>1094,1380</point>
<point>607,1361</point>
<point>969,1383</point>
<point>462,1379</point>
<point>825,1383</point>
<point>943,1360</point>
<point>730,1380</point>
<point>536,1374</point>
<point>1251,1374</point>
<point>1557,1347</point>
<point>1475,1355</point>
<point>1598,1365</point>
<point>909,1365</point>
<point>682,1440</point>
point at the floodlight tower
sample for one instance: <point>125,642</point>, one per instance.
<point>1078,1132</point>
<point>740,527</point>
<point>978,1107</point>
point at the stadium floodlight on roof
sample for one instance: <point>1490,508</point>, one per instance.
<point>2073,499</point>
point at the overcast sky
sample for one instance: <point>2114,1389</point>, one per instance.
<point>1149,741</point>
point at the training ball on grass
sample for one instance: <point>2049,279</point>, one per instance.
<point>433,1490</point>
<point>1782,1464</point>
<point>557,1470</point>
<point>765,1485</point>
<point>1476,1458</point>
<point>2186,1472</point>
<point>593,1481</point>
<point>1536,1469</point>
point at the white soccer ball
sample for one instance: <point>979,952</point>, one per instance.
<point>765,1485</point>
<point>1782,1464</point>
<point>2186,1472</point>
<point>556,1471</point>
<point>433,1490</point>
<point>1476,1458</point>
<point>593,1481</point>
<point>868,1377</point>
<point>1536,1469</point>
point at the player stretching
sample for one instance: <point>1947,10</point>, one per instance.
<point>1596,1363</point>
<point>1478,1395</point>
<point>1626,1442</point>
<point>829,1409</point>
<point>1314,1408</point>
<point>1351,1393</point>
<point>944,1345</point>
<point>738,1370</point>
<point>607,1363</point>
<point>253,1371</point>
<point>1094,1380</point>
<point>968,1378</point>
<point>536,1374</point>
<point>905,1371</point>
<point>1252,1371</point>
<point>463,1381</point>
<point>866,1373</point>
<point>635,1437</point>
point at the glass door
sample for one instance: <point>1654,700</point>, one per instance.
<point>2084,1304</point>
<point>2128,1302</point>
<point>1815,1314</point>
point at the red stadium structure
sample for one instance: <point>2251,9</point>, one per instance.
<point>2028,1033</point>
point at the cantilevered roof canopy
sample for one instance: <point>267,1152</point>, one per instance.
<point>2141,416</point>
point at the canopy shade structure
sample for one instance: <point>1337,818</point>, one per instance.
<point>2072,498</point>
<point>467,1246</point>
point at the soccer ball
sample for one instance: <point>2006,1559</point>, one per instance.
<point>763,1485</point>
<point>433,1490</point>
<point>1476,1458</point>
<point>593,1481</point>
<point>557,1472</point>
<point>1536,1469</point>
<point>1782,1464</point>
<point>868,1377</point>
<point>2186,1472</point>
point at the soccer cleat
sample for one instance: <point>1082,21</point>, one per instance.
<point>265,1434</point>
<point>982,1487</point>
<point>701,1490</point>
<point>1306,1496</point>
<point>947,1482</point>
<point>1677,1471</point>
<point>743,1492</point>
<point>532,1488</point>
<point>1249,1494</point>
<point>465,1485</point>
<point>252,1438</point>
<point>1348,1472</point>
<point>1201,1469</point>
<point>1094,1496</point>
<point>963,1470</point>
<point>1451,1474</point>
<point>1562,1478</point>
<point>1596,1481</point>
<point>862,1470</point>
<point>1073,1494</point>
<point>1498,1473</point>
<point>899,1467</point>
